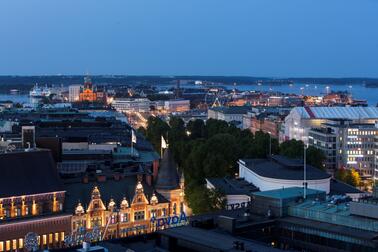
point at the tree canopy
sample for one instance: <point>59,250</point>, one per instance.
<point>203,150</point>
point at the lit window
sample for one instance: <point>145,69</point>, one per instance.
<point>139,215</point>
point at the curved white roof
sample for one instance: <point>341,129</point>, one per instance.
<point>353,113</point>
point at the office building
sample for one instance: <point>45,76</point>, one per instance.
<point>178,105</point>
<point>347,144</point>
<point>74,93</point>
<point>301,119</point>
<point>132,105</point>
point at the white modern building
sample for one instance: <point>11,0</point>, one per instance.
<point>301,119</point>
<point>178,105</point>
<point>132,105</point>
<point>280,172</point>
<point>228,114</point>
<point>74,93</point>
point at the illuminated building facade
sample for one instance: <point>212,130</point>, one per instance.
<point>120,219</point>
<point>301,119</point>
<point>347,145</point>
<point>131,205</point>
<point>87,93</point>
<point>74,93</point>
<point>178,105</point>
<point>41,205</point>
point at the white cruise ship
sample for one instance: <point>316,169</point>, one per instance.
<point>40,91</point>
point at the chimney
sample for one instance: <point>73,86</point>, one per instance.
<point>85,179</point>
<point>149,179</point>
<point>155,169</point>
<point>117,176</point>
<point>101,178</point>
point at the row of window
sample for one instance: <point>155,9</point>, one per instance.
<point>44,240</point>
<point>25,210</point>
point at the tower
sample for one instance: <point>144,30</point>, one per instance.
<point>168,183</point>
<point>87,82</point>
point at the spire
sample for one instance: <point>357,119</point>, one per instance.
<point>167,177</point>
<point>139,188</point>
<point>154,199</point>
<point>124,203</point>
<point>111,204</point>
<point>96,193</point>
<point>79,210</point>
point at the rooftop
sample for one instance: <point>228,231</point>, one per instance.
<point>333,213</point>
<point>213,240</point>
<point>338,187</point>
<point>232,109</point>
<point>27,173</point>
<point>233,186</point>
<point>353,113</point>
<point>280,167</point>
<point>285,193</point>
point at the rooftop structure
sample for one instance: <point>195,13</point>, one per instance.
<point>279,171</point>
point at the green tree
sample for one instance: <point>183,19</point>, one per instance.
<point>353,178</point>
<point>315,157</point>
<point>217,199</point>
<point>156,128</point>
<point>222,152</point>
<point>341,174</point>
<point>292,148</point>
<point>214,127</point>
<point>196,129</point>
<point>177,130</point>
<point>198,199</point>
<point>203,200</point>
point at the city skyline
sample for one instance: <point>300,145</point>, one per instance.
<point>250,38</point>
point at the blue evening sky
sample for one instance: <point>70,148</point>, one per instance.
<point>277,38</point>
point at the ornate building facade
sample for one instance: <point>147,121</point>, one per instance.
<point>87,93</point>
<point>38,209</point>
<point>159,207</point>
<point>120,219</point>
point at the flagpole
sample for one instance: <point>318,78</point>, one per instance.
<point>304,173</point>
